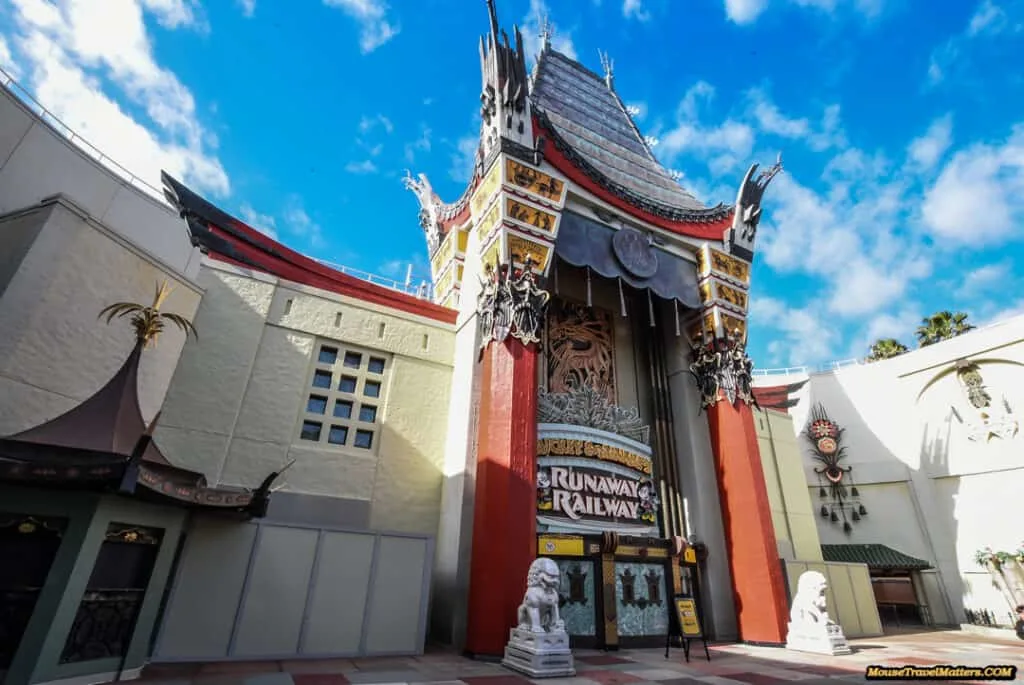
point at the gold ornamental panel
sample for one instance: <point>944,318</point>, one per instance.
<point>580,349</point>
<point>706,294</point>
<point>444,254</point>
<point>483,192</point>
<point>491,255</point>
<point>709,323</point>
<point>518,246</point>
<point>451,300</point>
<point>726,265</point>
<point>534,181</point>
<point>533,217</point>
<point>445,281</point>
<point>733,296</point>
<point>734,326</point>
<point>487,224</point>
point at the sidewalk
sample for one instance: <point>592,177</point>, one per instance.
<point>731,664</point>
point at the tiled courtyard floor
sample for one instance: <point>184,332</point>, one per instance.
<point>730,664</point>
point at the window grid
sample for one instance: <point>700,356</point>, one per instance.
<point>343,396</point>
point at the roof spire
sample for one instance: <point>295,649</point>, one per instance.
<point>609,69</point>
<point>493,12</point>
<point>546,31</point>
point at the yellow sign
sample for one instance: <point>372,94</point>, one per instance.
<point>690,556</point>
<point>733,296</point>
<point>558,546</point>
<point>534,181</point>
<point>530,216</point>
<point>565,447</point>
<point>484,191</point>
<point>686,612</point>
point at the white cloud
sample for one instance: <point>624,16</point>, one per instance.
<point>364,167</point>
<point>635,9</point>
<point>367,124</point>
<point>421,144</point>
<point>806,338</point>
<point>7,62</point>
<point>464,158</point>
<point>248,7</point>
<point>978,197</point>
<point>299,223</point>
<point>376,28</point>
<point>724,145</point>
<point>980,279</point>
<point>744,11</point>
<point>264,223</point>
<point>69,50</point>
<point>532,22</point>
<point>988,20</point>
<point>818,137</point>
<point>926,151</point>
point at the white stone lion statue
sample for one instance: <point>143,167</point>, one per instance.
<point>539,611</point>
<point>810,606</point>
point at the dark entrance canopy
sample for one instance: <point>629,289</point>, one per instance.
<point>874,556</point>
<point>103,444</point>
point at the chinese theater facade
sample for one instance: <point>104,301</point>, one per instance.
<point>600,406</point>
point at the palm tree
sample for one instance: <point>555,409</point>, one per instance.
<point>942,326</point>
<point>148,321</point>
<point>886,348</point>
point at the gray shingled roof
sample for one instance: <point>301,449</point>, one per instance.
<point>591,118</point>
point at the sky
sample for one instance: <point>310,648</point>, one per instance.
<point>900,124</point>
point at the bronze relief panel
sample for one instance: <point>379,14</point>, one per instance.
<point>580,349</point>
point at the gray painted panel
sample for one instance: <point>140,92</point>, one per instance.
<point>272,612</point>
<point>201,611</point>
<point>394,620</point>
<point>335,622</point>
<point>317,510</point>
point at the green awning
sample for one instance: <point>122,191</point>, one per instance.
<point>875,556</point>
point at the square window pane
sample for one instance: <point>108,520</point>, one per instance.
<point>353,360</point>
<point>371,389</point>
<point>376,365</point>
<point>311,430</point>
<point>348,384</point>
<point>322,379</point>
<point>338,435</point>
<point>316,404</point>
<point>367,414</point>
<point>343,409</point>
<point>364,439</point>
<point>328,355</point>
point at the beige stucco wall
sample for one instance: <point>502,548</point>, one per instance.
<point>793,515</point>
<point>61,267</point>
<point>233,408</point>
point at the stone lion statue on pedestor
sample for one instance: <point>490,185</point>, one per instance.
<point>809,605</point>
<point>539,611</point>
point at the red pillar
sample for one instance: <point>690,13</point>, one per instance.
<point>758,583</point>
<point>504,516</point>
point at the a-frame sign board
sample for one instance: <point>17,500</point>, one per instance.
<point>684,618</point>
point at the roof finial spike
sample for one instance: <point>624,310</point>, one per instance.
<point>546,31</point>
<point>493,12</point>
<point>609,69</point>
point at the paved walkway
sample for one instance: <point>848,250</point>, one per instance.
<point>731,664</point>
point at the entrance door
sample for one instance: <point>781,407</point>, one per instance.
<point>578,601</point>
<point>642,602</point>
<point>28,546</point>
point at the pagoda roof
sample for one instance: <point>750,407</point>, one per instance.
<point>588,121</point>
<point>105,443</point>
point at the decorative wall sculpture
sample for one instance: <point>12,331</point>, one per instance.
<point>511,303</point>
<point>580,349</point>
<point>994,419</point>
<point>722,366</point>
<point>835,481</point>
<point>582,405</point>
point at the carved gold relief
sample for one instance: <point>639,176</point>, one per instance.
<point>709,322</point>
<point>534,181</point>
<point>491,255</point>
<point>737,327</point>
<point>485,190</point>
<point>580,349</point>
<point>488,222</point>
<point>444,254</point>
<point>731,266</point>
<point>696,330</point>
<point>731,295</point>
<point>445,282</point>
<point>705,292</point>
<point>531,216</point>
<point>519,247</point>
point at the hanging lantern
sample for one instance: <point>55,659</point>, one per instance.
<point>854,491</point>
<point>834,517</point>
<point>824,511</point>
<point>847,527</point>
<point>856,515</point>
<point>821,492</point>
<point>863,511</point>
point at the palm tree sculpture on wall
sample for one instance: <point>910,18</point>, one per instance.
<point>148,321</point>
<point>826,437</point>
<point>935,328</point>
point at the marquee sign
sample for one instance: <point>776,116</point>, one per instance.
<point>591,481</point>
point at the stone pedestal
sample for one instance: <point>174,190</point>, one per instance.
<point>539,655</point>
<point>818,639</point>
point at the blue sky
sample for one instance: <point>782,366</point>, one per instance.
<point>901,124</point>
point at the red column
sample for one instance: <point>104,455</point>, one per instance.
<point>758,583</point>
<point>504,517</point>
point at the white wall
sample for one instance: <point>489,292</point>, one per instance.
<point>930,491</point>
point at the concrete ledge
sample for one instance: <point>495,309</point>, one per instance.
<point>990,632</point>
